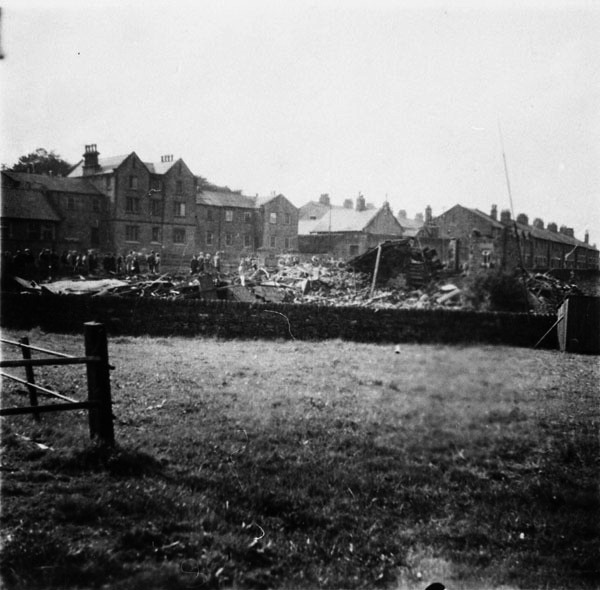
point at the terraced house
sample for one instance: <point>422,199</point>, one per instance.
<point>466,237</point>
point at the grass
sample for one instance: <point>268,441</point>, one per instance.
<point>309,465</point>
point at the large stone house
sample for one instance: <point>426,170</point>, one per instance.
<point>61,214</point>
<point>469,238</point>
<point>343,232</point>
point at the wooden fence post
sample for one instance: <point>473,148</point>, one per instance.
<point>33,400</point>
<point>98,379</point>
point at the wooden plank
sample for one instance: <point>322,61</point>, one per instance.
<point>75,360</point>
<point>37,348</point>
<point>52,408</point>
<point>37,387</point>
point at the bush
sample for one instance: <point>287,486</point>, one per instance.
<point>495,290</point>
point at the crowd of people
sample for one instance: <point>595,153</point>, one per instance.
<point>49,265</point>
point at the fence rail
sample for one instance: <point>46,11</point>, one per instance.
<point>98,404</point>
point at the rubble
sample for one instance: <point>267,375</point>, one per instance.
<point>407,278</point>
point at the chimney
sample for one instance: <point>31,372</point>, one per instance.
<point>552,227</point>
<point>402,214</point>
<point>90,159</point>
<point>324,199</point>
<point>360,203</point>
<point>419,217</point>
<point>586,237</point>
<point>505,216</point>
<point>538,223</point>
<point>428,216</point>
<point>494,212</point>
<point>348,204</point>
<point>522,219</point>
<point>567,231</point>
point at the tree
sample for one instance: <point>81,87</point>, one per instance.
<point>42,161</point>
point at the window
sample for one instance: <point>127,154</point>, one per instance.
<point>247,217</point>
<point>132,233</point>
<point>179,187</point>
<point>178,235</point>
<point>247,240</point>
<point>155,184</point>
<point>209,238</point>
<point>71,203</point>
<point>33,230</point>
<point>94,236</point>
<point>179,209</point>
<point>228,215</point>
<point>273,217</point>
<point>132,205</point>
<point>228,239</point>
<point>209,215</point>
<point>353,249</point>
<point>133,182</point>
<point>286,243</point>
<point>96,204</point>
<point>156,207</point>
<point>287,219</point>
<point>273,242</point>
<point>156,234</point>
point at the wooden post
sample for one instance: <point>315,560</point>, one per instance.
<point>33,400</point>
<point>376,269</point>
<point>98,379</point>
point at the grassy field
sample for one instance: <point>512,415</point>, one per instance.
<point>308,465</point>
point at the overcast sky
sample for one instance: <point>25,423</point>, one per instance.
<point>396,100</point>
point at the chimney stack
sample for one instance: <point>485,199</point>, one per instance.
<point>428,216</point>
<point>348,204</point>
<point>538,223</point>
<point>324,199</point>
<point>522,219</point>
<point>402,214</point>
<point>419,217</point>
<point>494,212</point>
<point>360,203</point>
<point>586,237</point>
<point>567,231</point>
<point>505,216</point>
<point>90,159</point>
<point>552,227</point>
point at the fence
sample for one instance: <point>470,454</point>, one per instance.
<point>98,404</point>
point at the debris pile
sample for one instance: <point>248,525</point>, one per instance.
<point>546,293</point>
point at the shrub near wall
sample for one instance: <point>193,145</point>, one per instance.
<point>159,317</point>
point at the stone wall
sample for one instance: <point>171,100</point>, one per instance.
<point>255,321</point>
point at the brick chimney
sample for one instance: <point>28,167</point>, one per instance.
<point>402,214</point>
<point>567,231</point>
<point>90,159</point>
<point>505,216</point>
<point>348,204</point>
<point>360,203</point>
<point>324,199</point>
<point>552,227</point>
<point>538,223</point>
<point>522,219</point>
<point>586,237</point>
<point>494,212</point>
<point>428,216</point>
<point>419,217</point>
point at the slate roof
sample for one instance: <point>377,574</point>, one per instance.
<point>106,165</point>
<point>27,204</point>
<point>59,184</point>
<point>159,167</point>
<point>341,220</point>
<point>225,199</point>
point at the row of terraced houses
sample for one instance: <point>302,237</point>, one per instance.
<point>123,203</point>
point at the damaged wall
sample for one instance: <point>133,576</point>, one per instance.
<point>154,317</point>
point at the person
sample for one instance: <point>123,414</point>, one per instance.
<point>242,268</point>
<point>150,260</point>
<point>129,262</point>
<point>201,262</point>
<point>193,265</point>
<point>157,263</point>
<point>136,265</point>
<point>217,262</point>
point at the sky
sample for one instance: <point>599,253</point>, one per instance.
<point>413,103</point>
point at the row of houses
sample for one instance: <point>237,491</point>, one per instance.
<point>121,204</point>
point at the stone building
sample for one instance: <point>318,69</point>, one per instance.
<point>344,233</point>
<point>469,238</point>
<point>41,211</point>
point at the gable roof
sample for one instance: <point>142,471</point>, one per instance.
<point>31,204</point>
<point>59,184</point>
<point>340,220</point>
<point>106,165</point>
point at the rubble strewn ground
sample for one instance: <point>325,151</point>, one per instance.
<point>322,282</point>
